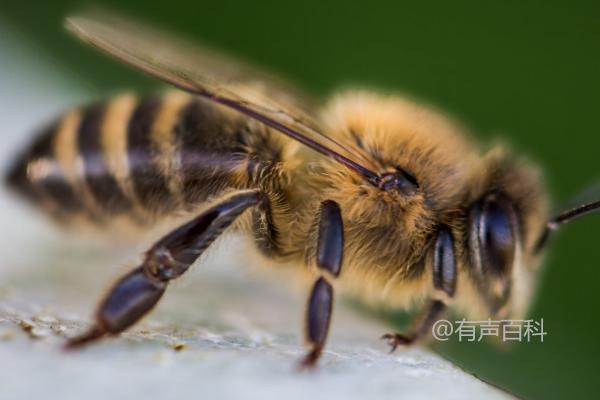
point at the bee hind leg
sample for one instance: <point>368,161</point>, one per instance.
<point>329,257</point>
<point>444,284</point>
<point>136,293</point>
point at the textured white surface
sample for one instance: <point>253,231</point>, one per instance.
<point>224,332</point>
<point>239,333</point>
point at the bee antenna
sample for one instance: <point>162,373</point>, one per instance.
<point>565,217</point>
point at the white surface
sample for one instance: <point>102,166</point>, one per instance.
<point>240,331</point>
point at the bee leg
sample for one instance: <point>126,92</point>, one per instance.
<point>419,328</point>
<point>136,293</point>
<point>329,257</point>
<point>444,284</point>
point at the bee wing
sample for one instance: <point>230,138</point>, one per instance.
<point>213,76</point>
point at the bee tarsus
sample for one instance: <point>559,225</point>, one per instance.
<point>444,284</point>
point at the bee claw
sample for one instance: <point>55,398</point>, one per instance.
<point>79,341</point>
<point>309,361</point>
<point>395,339</point>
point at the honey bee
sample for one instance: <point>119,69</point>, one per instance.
<point>371,193</point>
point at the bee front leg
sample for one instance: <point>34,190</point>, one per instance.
<point>136,293</point>
<point>329,257</point>
<point>444,284</point>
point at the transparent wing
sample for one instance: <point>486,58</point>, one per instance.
<point>205,73</point>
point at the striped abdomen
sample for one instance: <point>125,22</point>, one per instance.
<point>142,158</point>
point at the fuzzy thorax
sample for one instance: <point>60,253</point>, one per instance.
<point>394,133</point>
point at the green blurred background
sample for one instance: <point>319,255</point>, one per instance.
<point>527,72</point>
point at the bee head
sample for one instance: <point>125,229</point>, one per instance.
<point>505,215</point>
<point>494,243</point>
<point>507,229</point>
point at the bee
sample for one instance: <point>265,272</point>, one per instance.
<point>371,194</point>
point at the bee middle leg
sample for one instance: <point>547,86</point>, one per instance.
<point>329,257</point>
<point>444,284</point>
<point>136,293</point>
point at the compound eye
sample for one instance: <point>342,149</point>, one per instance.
<point>493,234</point>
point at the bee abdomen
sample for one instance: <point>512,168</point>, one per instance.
<point>38,178</point>
<point>68,170</point>
<point>141,158</point>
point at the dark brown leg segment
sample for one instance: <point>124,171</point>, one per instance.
<point>444,283</point>
<point>329,257</point>
<point>136,293</point>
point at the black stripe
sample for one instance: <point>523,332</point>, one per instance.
<point>208,150</point>
<point>103,186</point>
<point>54,184</point>
<point>17,177</point>
<point>149,184</point>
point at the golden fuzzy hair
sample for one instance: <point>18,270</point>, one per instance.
<point>388,235</point>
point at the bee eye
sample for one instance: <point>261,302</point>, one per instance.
<point>492,235</point>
